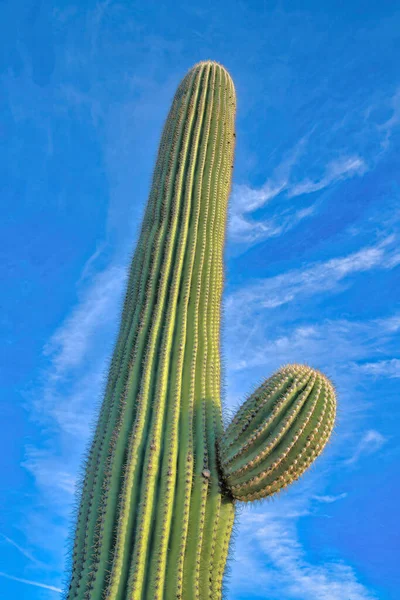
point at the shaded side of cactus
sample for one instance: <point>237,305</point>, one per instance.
<point>162,477</point>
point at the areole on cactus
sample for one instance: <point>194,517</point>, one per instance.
<point>162,477</point>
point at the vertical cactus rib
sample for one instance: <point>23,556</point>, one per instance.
<point>222,526</point>
<point>220,512</point>
<point>161,476</point>
<point>157,571</point>
<point>211,337</point>
<point>200,483</point>
<point>178,534</point>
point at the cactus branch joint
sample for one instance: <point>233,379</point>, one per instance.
<point>162,476</point>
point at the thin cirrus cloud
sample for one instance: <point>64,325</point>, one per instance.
<point>329,499</point>
<point>21,550</point>
<point>335,344</point>
<point>69,390</point>
<point>48,472</point>
<point>69,343</point>
<point>268,547</point>
<point>315,278</point>
<point>249,231</point>
<point>386,128</point>
<point>81,338</point>
<point>371,442</point>
<point>30,582</point>
<point>338,344</point>
<point>300,578</point>
<point>337,170</point>
<point>381,368</point>
<point>245,200</point>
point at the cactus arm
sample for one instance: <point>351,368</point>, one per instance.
<point>266,436</point>
<point>277,433</point>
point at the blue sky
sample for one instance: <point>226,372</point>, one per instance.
<point>312,261</point>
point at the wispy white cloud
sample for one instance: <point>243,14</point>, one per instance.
<point>382,368</point>
<point>48,471</point>
<point>297,576</point>
<point>88,269</point>
<point>390,324</point>
<point>278,563</point>
<point>76,352</point>
<point>312,279</point>
<point>247,230</point>
<point>22,551</point>
<point>329,499</point>
<point>34,583</point>
<point>334,344</point>
<point>392,122</point>
<point>71,409</point>
<point>337,170</point>
<point>69,391</point>
<point>245,200</point>
<point>69,344</point>
<point>371,442</point>
<point>346,164</point>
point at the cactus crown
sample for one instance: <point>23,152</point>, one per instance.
<point>162,477</point>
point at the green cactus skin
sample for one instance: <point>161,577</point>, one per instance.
<point>277,433</point>
<point>156,513</point>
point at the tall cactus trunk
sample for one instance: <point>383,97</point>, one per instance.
<point>153,522</point>
<point>162,476</point>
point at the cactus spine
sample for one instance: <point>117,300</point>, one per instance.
<point>157,504</point>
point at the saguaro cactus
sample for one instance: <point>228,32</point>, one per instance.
<point>162,478</point>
